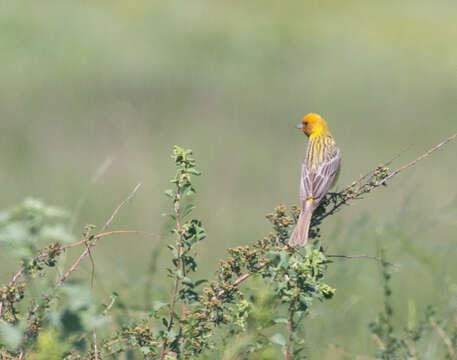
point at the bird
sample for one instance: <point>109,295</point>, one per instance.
<point>318,172</point>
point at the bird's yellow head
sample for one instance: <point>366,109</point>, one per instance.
<point>313,125</point>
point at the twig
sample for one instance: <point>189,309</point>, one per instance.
<point>100,235</point>
<point>76,263</point>
<point>86,250</point>
<point>445,338</point>
<point>242,278</point>
<point>43,256</point>
<point>130,197</point>
<point>371,172</point>
<point>370,186</point>
<point>381,260</point>
<point>423,156</point>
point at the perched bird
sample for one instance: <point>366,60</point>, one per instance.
<point>319,169</point>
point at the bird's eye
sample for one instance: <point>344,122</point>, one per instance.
<point>305,123</point>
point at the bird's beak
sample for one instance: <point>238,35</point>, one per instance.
<point>300,126</point>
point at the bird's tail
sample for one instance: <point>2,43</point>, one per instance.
<point>300,234</point>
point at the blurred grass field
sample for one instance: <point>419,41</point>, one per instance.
<point>85,81</point>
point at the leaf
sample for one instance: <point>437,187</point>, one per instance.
<point>164,322</point>
<point>173,249</point>
<point>188,209</point>
<point>199,282</point>
<point>187,281</point>
<point>278,339</point>
<point>170,193</point>
<point>194,171</point>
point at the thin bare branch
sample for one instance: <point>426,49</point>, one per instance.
<point>86,250</point>
<point>44,255</point>
<point>368,186</point>
<point>98,236</point>
<point>113,215</point>
<point>371,172</point>
<point>381,260</point>
<point>423,156</point>
<point>114,232</point>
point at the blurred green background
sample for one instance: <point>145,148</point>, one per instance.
<point>82,82</point>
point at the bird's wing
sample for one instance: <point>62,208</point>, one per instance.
<point>316,182</point>
<point>325,174</point>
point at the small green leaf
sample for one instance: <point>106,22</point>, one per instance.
<point>188,209</point>
<point>194,171</point>
<point>170,193</point>
<point>199,282</point>
<point>173,249</point>
<point>187,281</point>
<point>164,322</point>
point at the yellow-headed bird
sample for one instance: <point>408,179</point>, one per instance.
<point>319,169</point>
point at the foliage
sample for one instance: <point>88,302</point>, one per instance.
<point>255,306</point>
<point>393,345</point>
